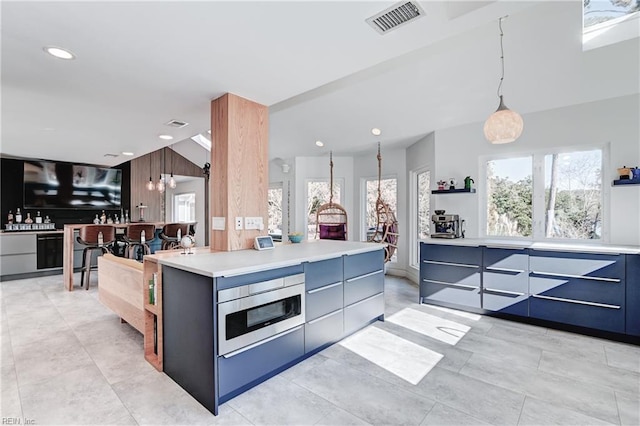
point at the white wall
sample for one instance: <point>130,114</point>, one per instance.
<point>309,168</point>
<point>196,185</point>
<point>393,166</point>
<point>613,122</point>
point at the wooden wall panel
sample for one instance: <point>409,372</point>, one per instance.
<point>240,176</point>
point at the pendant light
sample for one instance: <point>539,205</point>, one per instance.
<point>150,184</point>
<point>161,185</point>
<point>172,180</point>
<point>504,125</point>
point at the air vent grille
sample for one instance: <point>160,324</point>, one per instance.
<point>176,123</point>
<point>396,16</point>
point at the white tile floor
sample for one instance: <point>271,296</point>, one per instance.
<point>66,359</point>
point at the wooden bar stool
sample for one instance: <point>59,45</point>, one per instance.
<point>169,235</point>
<point>134,242</point>
<point>89,237</point>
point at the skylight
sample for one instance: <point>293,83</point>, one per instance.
<point>599,12</point>
<point>202,141</point>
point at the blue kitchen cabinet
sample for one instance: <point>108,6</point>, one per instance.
<point>633,294</point>
<point>363,289</point>
<point>582,289</point>
<point>505,280</point>
<point>451,275</point>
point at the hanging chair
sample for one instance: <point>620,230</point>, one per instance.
<point>331,218</point>
<point>386,231</point>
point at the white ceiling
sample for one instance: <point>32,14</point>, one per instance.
<point>324,73</point>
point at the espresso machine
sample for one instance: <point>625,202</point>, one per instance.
<point>447,226</point>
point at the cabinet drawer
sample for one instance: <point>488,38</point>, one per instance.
<point>318,274</point>
<point>458,294</point>
<point>452,274</point>
<point>320,301</point>
<point>505,260</point>
<point>568,312</point>
<point>506,282</point>
<point>577,264</point>
<point>506,303</point>
<point>324,330</point>
<point>360,314</point>
<point>610,293</point>
<point>363,286</point>
<point>18,263</point>
<point>361,264</point>
<point>451,254</point>
<point>17,244</point>
<point>245,367</point>
<point>256,277</point>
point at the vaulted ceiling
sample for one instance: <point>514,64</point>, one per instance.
<point>323,71</point>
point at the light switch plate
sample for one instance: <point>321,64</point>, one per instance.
<point>218,223</point>
<point>238,223</point>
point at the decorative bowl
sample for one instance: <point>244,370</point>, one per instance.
<point>439,212</point>
<point>295,238</point>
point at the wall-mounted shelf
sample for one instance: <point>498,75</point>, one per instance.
<point>453,191</point>
<point>626,182</point>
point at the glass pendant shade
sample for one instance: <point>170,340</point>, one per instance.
<point>150,184</point>
<point>172,182</point>
<point>503,126</point>
<point>161,185</point>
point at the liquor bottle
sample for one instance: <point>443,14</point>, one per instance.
<point>103,218</point>
<point>179,235</point>
<point>100,238</point>
<point>10,217</point>
<point>38,218</point>
<point>96,220</point>
<point>116,220</point>
<point>18,216</point>
<point>46,219</point>
<point>126,216</point>
<point>142,237</point>
<point>28,220</point>
<point>109,220</point>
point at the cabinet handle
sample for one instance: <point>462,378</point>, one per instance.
<point>504,247</point>
<point>255,345</point>
<point>450,284</point>
<point>326,287</point>
<point>582,277</point>
<point>494,290</point>
<point>577,302</point>
<point>365,275</point>
<point>324,316</point>
<point>493,268</point>
<point>464,265</point>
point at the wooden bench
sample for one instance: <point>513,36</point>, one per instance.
<point>120,288</point>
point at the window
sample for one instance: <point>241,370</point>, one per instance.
<point>599,12</point>
<point>184,207</point>
<point>548,195</point>
<point>274,197</point>
<point>421,214</point>
<point>389,194</point>
<point>318,193</point>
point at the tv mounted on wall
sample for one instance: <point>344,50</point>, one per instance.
<point>57,185</point>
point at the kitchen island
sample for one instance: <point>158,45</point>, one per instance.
<point>230,320</point>
<point>591,288</point>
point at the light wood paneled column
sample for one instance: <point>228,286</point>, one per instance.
<point>239,163</point>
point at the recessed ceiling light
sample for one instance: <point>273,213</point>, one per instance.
<point>59,52</point>
<point>166,137</point>
<point>319,143</point>
<point>376,132</point>
<point>127,153</point>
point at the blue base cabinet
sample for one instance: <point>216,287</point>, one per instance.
<point>633,295</point>
<point>505,280</point>
<point>363,289</point>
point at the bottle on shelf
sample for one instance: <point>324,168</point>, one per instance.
<point>103,218</point>
<point>109,220</point>
<point>38,218</point>
<point>116,220</point>
<point>10,217</point>
<point>100,238</point>
<point>96,220</point>
<point>18,216</point>
<point>28,220</point>
<point>142,237</point>
<point>152,300</point>
<point>179,234</point>
<point>126,216</point>
<point>46,219</point>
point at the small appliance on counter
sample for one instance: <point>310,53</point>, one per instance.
<point>447,225</point>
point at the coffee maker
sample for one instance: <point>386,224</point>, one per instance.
<point>447,226</point>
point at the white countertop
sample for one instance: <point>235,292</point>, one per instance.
<point>515,244</point>
<point>220,264</point>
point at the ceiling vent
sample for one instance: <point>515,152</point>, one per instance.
<point>176,123</point>
<point>395,16</point>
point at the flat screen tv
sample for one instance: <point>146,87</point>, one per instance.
<point>53,185</point>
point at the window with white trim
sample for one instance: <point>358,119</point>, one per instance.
<point>556,195</point>
<point>274,206</point>
<point>389,194</point>
<point>420,212</point>
<point>318,193</point>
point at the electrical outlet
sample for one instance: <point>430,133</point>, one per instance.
<point>253,223</point>
<point>238,223</point>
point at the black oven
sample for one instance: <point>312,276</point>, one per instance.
<point>250,313</point>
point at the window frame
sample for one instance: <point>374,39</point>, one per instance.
<point>538,233</point>
<point>414,241</point>
<point>336,181</point>
<point>175,205</point>
<point>363,208</point>
<point>280,186</point>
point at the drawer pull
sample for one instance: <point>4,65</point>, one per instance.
<point>577,302</point>
<point>364,300</point>
<point>464,265</point>
<point>255,345</point>
<point>365,275</point>
<point>450,284</point>
<point>494,290</point>
<point>326,287</point>
<point>330,314</point>
<point>493,268</point>
<point>582,277</point>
